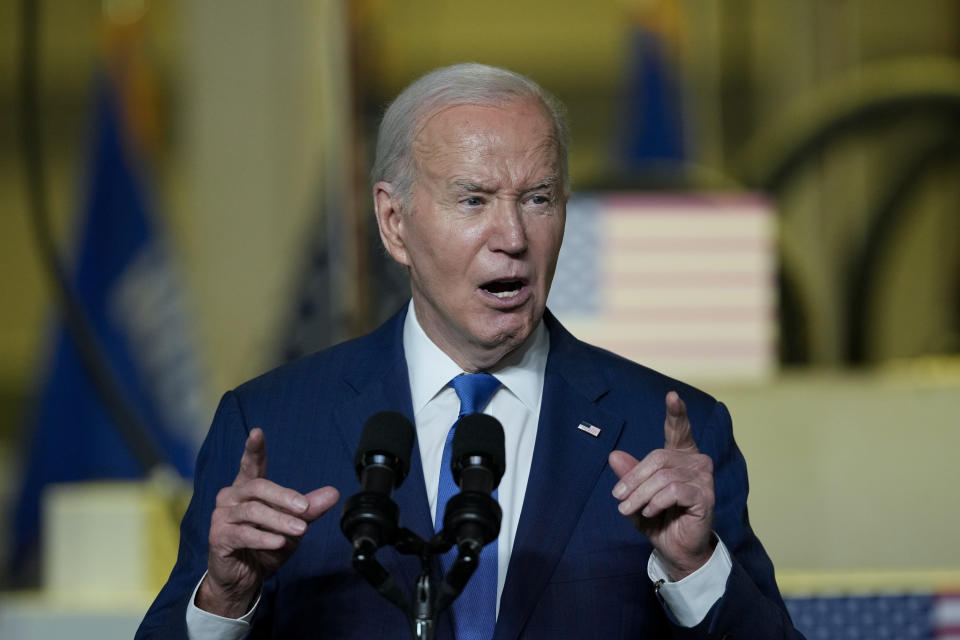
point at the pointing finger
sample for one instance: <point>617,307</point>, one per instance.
<point>253,464</point>
<point>676,426</point>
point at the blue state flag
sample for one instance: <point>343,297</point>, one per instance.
<point>125,282</point>
<point>652,131</point>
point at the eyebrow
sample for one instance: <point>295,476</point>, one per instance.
<point>546,183</point>
<point>470,185</point>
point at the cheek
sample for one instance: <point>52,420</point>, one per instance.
<point>423,242</point>
<point>455,248</point>
<point>549,239</point>
<point>441,262</point>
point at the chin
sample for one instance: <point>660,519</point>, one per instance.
<point>509,332</point>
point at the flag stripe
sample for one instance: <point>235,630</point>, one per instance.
<point>670,283</point>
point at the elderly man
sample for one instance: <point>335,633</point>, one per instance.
<point>622,516</point>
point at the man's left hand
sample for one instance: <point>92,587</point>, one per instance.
<point>669,494</point>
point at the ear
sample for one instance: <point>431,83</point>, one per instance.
<point>387,207</point>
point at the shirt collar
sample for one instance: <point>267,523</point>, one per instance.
<point>430,369</point>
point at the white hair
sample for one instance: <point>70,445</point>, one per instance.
<point>459,84</point>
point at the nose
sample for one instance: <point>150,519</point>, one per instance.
<point>508,232</point>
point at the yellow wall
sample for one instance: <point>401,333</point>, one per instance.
<point>853,472</point>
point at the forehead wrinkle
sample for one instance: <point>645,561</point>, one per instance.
<point>459,136</point>
<point>486,157</point>
<point>445,148</point>
<point>538,158</point>
<point>490,178</point>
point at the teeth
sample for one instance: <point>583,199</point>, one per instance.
<point>506,294</point>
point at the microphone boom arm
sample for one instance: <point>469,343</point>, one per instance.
<point>429,599</point>
<point>366,563</point>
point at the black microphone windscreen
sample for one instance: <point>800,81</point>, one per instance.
<point>480,434</point>
<point>389,433</point>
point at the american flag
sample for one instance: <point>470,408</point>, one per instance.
<point>682,283</point>
<point>946,616</point>
<point>925,616</point>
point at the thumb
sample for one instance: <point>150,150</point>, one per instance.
<point>676,426</point>
<point>321,500</point>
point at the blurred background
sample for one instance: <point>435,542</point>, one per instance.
<point>185,205</point>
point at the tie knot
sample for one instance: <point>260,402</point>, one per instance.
<point>474,391</point>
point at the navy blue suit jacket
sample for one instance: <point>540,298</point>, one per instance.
<point>578,568</point>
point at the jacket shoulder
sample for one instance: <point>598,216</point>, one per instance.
<point>343,363</point>
<point>629,374</point>
<point>622,376</point>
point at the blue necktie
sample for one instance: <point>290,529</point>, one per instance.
<point>475,611</point>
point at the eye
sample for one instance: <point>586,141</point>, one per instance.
<point>539,199</point>
<point>473,201</point>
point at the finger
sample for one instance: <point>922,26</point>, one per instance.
<point>265,518</point>
<point>253,464</point>
<point>621,462</point>
<point>237,537</point>
<point>639,497</point>
<point>633,476</point>
<point>269,493</point>
<point>676,426</point>
<point>676,494</point>
<point>320,500</point>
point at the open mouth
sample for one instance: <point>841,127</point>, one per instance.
<point>503,288</point>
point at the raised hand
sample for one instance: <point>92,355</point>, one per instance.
<point>669,494</point>
<point>255,527</point>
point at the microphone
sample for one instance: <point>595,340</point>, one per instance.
<point>369,518</point>
<point>478,459</point>
<point>472,517</point>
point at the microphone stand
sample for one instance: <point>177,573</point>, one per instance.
<point>429,598</point>
<point>471,519</point>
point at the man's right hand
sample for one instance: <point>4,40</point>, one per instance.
<point>255,527</point>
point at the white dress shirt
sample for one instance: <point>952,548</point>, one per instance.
<point>516,404</point>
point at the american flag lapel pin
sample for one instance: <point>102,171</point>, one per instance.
<point>586,427</point>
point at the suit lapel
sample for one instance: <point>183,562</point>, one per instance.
<point>377,380</point>
<point>566,464</point>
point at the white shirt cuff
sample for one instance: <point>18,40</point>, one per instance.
<point>690,599</point>
<point>203,625</point>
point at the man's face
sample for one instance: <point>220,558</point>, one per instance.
<point>483,229</point>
